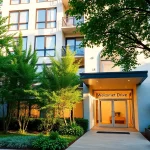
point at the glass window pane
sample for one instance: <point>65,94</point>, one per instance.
<point>120,112</point>
<point>39,68</point>
<point>50,53</point>
<point>40,53</point>
<point>42,0</point>
<point>41,15</point>
<point>50,42</point>
<point>13,27</point>
<point>39,43</point>
<point>15,1</point>
<point>78,41</point>
<point>24,17</point>
<point>79,51</point>
<point>40,25</point>
<point>51,15</point>
<point>24,43</point>
<point>14,17</point>
<point>25,1</point>
<point>105,106</point>
<point>51,25</point>
<point>23,26</point>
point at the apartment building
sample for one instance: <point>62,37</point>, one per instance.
<point>111,98</point>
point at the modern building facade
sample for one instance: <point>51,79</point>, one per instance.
<point>111,98</point>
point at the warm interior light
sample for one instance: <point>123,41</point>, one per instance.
<point>128,80</point>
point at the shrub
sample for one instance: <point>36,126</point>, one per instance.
<point>54,135</point>
<point>17,142</point>
<point>45,143</point>
<point>82,123</point>
<point>59,123</point>
<point>71,130</point>
<point>149,127</point>
<point>34,124</point>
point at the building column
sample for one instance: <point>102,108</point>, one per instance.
<point>88,106</point>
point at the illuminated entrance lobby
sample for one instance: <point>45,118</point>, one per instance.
<point>111,98</point>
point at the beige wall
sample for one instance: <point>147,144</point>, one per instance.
<point>78,111</point>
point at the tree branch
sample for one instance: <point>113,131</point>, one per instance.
<point>148,2</point>
<point>135,39</point>
<point>135,9</point>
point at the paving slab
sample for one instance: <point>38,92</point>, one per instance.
<point>100,141</point>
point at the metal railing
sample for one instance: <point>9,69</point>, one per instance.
<point>79,51</point>
<point>71,21</point>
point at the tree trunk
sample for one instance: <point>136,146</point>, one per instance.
<point>64,117</point>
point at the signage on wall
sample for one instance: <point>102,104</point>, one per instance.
<point>113,94</point>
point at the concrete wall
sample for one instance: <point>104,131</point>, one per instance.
<point>143,96</point>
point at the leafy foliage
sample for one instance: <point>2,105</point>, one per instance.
<point>54,135</point>
<point>17,142</point>
<point>122,27</point>
<point>82,123</point>
<point>71,130</point>
<point>59,85</point>
<point>45,143</point>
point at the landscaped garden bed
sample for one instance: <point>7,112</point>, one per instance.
<point>36,141</point>
<point>59,138</point>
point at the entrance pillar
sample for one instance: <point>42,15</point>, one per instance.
<point>88,106</point>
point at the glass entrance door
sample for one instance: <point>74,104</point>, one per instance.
<point>106,110</point>
<point>113,113</point>
<point>120,113</point>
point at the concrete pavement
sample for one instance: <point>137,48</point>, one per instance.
<point>98,141</point>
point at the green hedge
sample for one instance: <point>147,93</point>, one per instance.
<point>35,123</point>
<point>82,123</point>
<point>50,143</point>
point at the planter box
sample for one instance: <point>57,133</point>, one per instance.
<point>147,133</point>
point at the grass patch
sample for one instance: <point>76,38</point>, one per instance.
<point>24,141</point>
<point>10,134</point>
<point>69,138</point>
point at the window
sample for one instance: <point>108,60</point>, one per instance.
<point>46,18</point>
<point>74,45</point>
<point>40,67</point>
<point>19,20</point>
<point>24,40</point>
<point>46,0</point>
<point>13,2</point>
<point>45,45</point>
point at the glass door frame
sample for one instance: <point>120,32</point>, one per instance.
<point>112,124</point>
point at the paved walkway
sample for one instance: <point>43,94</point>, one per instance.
<point>98,141</point>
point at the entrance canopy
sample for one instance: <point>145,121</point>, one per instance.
<point>113,80</point>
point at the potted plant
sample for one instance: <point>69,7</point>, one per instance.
<point>147,132</point>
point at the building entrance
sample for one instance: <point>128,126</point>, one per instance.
<point>114,110</point>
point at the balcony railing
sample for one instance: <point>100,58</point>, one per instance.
<point>79,51</point>
<point>71,21</point>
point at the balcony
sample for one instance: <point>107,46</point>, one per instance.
<point>69,24</point>
<point>79,52</point>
